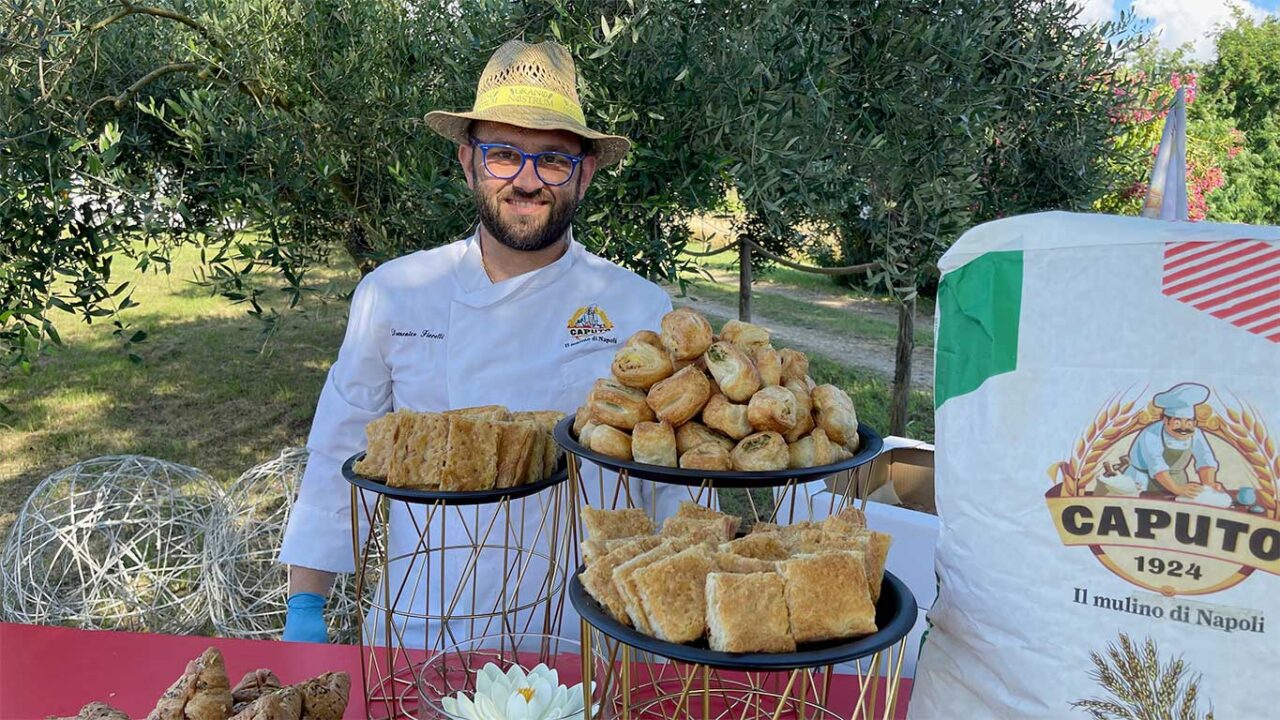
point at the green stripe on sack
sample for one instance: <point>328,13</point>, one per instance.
<point>979,307</point>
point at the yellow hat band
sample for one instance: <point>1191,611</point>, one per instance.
<point>529,96</point>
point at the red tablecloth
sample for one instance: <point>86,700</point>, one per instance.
<point>56,671</point>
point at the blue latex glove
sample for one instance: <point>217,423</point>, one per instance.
<point>304,621</point>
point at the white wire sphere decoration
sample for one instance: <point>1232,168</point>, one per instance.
<point>248,587</point>
<point>113,543</point>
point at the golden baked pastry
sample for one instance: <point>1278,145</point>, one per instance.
<point>280,704</point>
<point>381,434</point>
<point>482,412</point>
<point>517,441</point>
<point>611,441</point>
<point>692,434</point>
<point>598,577</point>
<point>827,596</point>
<point>680,397</point>
<point>731,523</point>
<point>811,450</point>
<point>415,435</point>
<point>804,410</point>
<point>203,692</point>
<point>673,593</point>
<point>623,576</point>
<point>850,522</point>
<point>748,613</point>
<point>325,697</point>
<point>761,451</point>
<point>708,456</point>
<point>696,529</point>
<point>758,545</point>
<point>96,711</point>
<point>733,370</point>
<point>686,334</point>
<point>253,685</point>
<point>727,417</point>
<point>580,419</point>
<point>547,420</point>
<point>654,444</point>
<point>615,524</point>
<point>836,415</point>
<point>795,366</point>
<point>744,334</point>
<point>727,562</point>
<point>647,337</point>
<point>612,403</point>
<point>471,455</point>
<point>768,364</point>
<point>641,365</point>
<point>773,408</point>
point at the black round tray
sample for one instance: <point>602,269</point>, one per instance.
<point>442,497</point>
<point>896,614</point>
<point>869,445</point>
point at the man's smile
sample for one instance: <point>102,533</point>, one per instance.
<point>523,206</point>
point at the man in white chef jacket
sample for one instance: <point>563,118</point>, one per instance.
<point>518,314</point>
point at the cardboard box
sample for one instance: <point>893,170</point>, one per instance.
<point>899,475</point>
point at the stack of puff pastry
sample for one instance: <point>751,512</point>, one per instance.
<point>767,591</point>
<point>469,449</point>
<point>685,398</point>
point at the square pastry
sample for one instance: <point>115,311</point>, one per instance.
<point>748,613</point>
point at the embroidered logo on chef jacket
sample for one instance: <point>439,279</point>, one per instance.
<point>590,323</point>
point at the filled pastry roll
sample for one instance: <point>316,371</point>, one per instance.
<point>641,365</point>
<point>654,444</point>
<point>609,440</point>
<point>733,370</point>
<point>673,594</point>
<point>708,456</point>
<point>680,397</point>
<point>811,450</point>
<point>615,524</point>
<point>693,434</point>
<point>580,419</point>
<point>744,334</point>
<point>646,337</point>
<point>804,410</point>
<point>795,365</point>
<point>836,415</point>
<point>686,334</point>
<point>768,364</point>
<point>727,417</point>
<point>748,613</point>
<point>761,451</point>
<point>612,403</point>
<point>772,408</point>
<point>827,596</point>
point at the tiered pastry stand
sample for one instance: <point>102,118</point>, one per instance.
<point>485,563</point>
<point>660,680</point>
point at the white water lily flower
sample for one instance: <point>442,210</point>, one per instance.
<point>515,695</point>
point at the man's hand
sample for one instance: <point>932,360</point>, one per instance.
<point>304,621</point>
<point>1189,490</point>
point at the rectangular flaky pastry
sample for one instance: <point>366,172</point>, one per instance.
<point>715,530</point>
<point>694,510</point>
<point>748,613</point>
<point>849,521</point>
<point>418,455</point>
<point>546,419</point>
<point>623,580</point>
<point>381,435</point>
<point>727,562</point>
<point>762,546</point>
<point>615,524</point>
<point>673,594</point>
<point>471,458</point>
<point>516,443</point>
<point>828,596</point>
<point>598,577</point>
<point>482,412</point>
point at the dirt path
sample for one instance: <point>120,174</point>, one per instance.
<point>850,351</point>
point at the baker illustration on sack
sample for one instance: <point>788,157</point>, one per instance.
<point>1171,456</point>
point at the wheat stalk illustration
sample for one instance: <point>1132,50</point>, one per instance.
<point>1140,686</point>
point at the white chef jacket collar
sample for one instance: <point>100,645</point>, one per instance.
<point>477,290</point>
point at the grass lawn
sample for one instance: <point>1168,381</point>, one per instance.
<point>210,392</point>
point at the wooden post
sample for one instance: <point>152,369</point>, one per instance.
<point>744,281</point>
<point>902,368</point>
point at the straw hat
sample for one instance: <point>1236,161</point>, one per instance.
<point>530,86</point>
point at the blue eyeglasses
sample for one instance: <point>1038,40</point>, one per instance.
<point>506,161</point>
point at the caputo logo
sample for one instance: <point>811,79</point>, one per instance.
<point>589,320</point>
<point>1174,491</point>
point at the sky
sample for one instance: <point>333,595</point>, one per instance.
<point>1180,21</point>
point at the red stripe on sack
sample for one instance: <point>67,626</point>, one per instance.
<point>1238,293</point>
<point>1189,284</point>
<point>1175,249</point>
<point>1211,250</point>
<point>1273,325</point>
<point>1219,260</point>
<point>1263,314</point>
<point>1246,305</point>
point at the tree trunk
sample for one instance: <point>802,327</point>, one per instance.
<point>902,368</point>
<point>358,248</point>
<point>744,282</point>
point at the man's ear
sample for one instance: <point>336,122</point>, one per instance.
<point>588,171</point>
<point>466,154</point>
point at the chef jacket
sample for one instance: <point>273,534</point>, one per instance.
<point>431,332</point>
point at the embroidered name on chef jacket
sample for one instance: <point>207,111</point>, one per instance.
<point>590,324</point>
<point>422,333</point>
